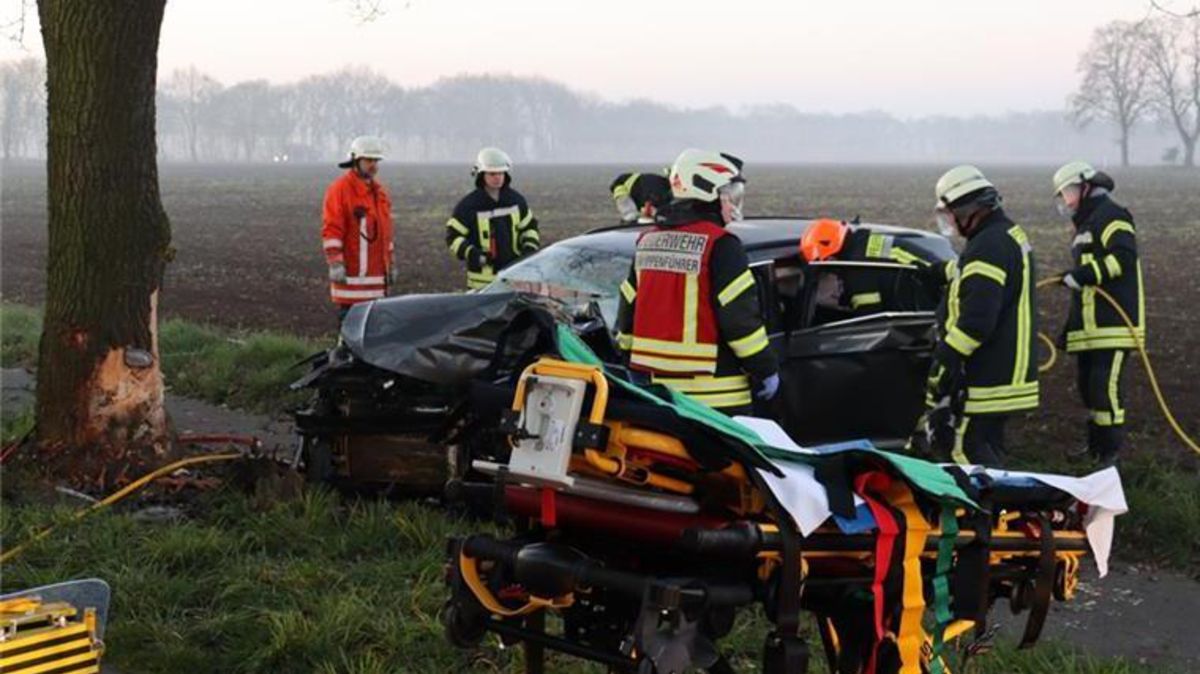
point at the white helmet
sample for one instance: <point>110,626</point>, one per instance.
<point>492,160</point>
<point>957,183</point>
<point>364,147</point>
<point>700,174</point>
<point>1073,173</point>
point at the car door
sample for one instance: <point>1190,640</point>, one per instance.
<point>852,374</point>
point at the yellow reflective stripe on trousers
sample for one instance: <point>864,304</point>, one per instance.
<point>750,344</point>
<point>1014,404</point>
<point>961,341</point>
<point>1114,380</point>
<point>865,299</point>
<point>1112,228</point>
<point>981,268</point>
<point>958,455</point>
<point>667,348</point>
<point>678,365</point>
<point>628,291</point>
<point>736,287</point>
<point>996,392</point>
<point>728,384</point>
<point>479,279</point>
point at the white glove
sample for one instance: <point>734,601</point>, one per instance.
<point>768,388</point>
<point>337,272</point>
<point>1069,281</point>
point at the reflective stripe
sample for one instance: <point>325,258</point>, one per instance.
<point>750,344</point>
<point>1096,268</point>
<point>691,304</point>
<point>339,294</point>
<point>1114,379</point>
<point>878,246</point>
<point>957,454</point>
<point>363,247</point>
<point>1112,265</point>
<point>735,382</point>
<point>721,400</point>
<point>1114,227</point>
<point>736,287</point>
<point>664,347</point>
<point>1005,391</point>
<point>1024,310</point>
<point>628,291</point>
<point>904,257</point>
<point>672,364</point>
<point>457,226</point>
<point>364,280</point>
<point>625,188</point>
<point>1101,417</point>
<point>863,299</point>
<point>531,235</point>
<point>961,341</point>
<point>479,279</point>
<point>985,269</point>
<point>624,342</point>
<point>332,243</point>
<point>524,221</point>
<point>456,245</point>
<point>1014,404</point>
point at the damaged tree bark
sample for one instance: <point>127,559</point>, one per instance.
<point>100,390</point>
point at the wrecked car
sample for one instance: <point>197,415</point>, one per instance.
<point>388,408</point>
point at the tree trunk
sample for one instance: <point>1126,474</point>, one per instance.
<point>1189,151</point>
<point>1125,146</point>
<point>100,392</point>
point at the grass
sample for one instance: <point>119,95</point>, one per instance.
<point>247,370</point>
<point>316,584</point>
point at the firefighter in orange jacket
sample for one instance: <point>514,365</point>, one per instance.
<point>689,316</point>
<point>356,229</point>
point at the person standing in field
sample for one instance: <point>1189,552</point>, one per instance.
<point>491,227</point>
<point>356,229</point>
<point>984,367</point>
<point>1105,256</point>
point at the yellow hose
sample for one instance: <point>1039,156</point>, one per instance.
<point>118,495</point>
<point>1141,349</point>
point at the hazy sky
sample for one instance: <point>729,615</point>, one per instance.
<point>908,57</point>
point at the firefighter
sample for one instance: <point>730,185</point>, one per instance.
<point>689,316</point>
<point>491,227</point>
<point>356,229</point>
<point>1104,254</point>
<point>984,367</point>
<point>868,290</point>
<point>639,196</point>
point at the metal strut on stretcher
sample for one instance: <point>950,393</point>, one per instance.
<point>647,550</point>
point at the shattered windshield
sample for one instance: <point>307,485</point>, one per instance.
<point>571,273</point>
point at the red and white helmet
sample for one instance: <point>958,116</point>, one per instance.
<point>701,175</point>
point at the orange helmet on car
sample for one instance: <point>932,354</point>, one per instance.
<point>823,239</point>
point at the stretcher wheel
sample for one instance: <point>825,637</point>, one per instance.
<point>465,625</point>
<point>1021,598</point>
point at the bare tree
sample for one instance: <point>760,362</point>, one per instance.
<point>1115,84</point>
<point>1171,48</point>
<point>191,93</point>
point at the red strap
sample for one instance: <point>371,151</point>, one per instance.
<point>549,508</point>
<point>878,482</point>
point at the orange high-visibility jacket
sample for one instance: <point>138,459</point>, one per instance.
<point>357,231</point>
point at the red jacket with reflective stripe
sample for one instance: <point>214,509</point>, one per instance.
<point>674,326</point>
<point>357,231</point>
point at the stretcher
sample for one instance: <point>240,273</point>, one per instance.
<point>55,629</point>
<point>645,523</point>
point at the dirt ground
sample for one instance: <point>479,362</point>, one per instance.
<point>249,249</point>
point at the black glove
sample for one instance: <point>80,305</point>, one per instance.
<point>945,374</point>
<point>476,260</point>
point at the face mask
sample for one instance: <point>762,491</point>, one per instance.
<point>945,223</point>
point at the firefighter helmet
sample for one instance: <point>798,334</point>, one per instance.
<point>823,239</point>
<point>492,160</point>
<point>957,183</point>
<point>1074,173</point>
<point>364,147</point>
<point>701,175</point>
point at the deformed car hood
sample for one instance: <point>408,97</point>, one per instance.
<point>442,338</point>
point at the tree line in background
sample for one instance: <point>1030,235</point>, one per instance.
<point>1140,79</point>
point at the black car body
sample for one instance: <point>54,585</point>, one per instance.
<point>387,391</point>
